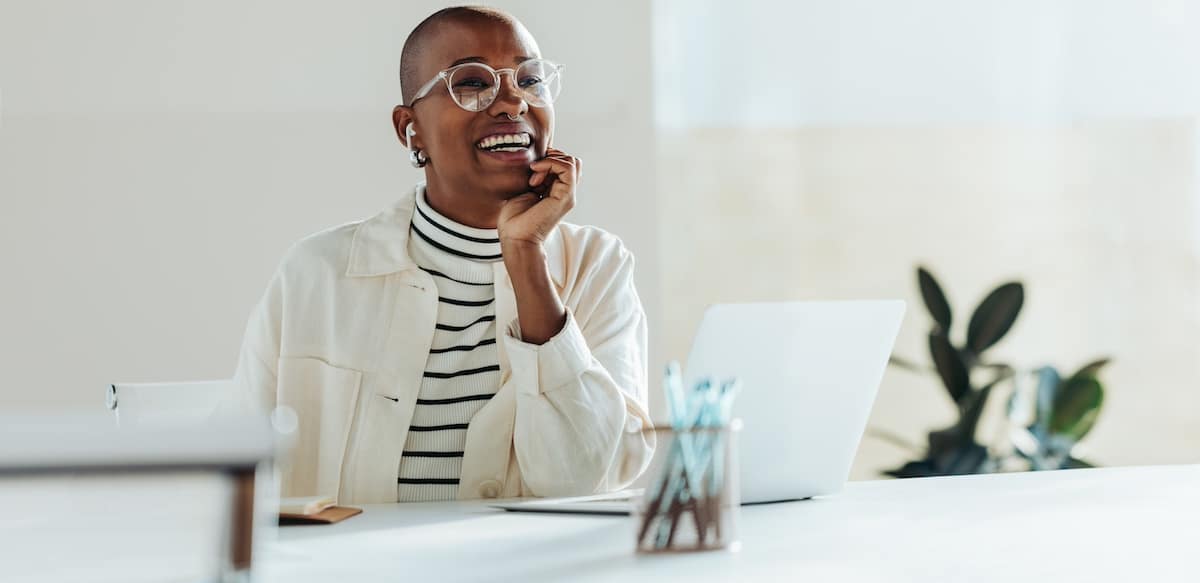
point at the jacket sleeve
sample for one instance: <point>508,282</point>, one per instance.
<point>254,382</point>
<point>582,396</point>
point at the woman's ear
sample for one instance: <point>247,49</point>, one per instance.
<point>402,120</point>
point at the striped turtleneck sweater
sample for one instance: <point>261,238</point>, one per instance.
<point>463,369</point>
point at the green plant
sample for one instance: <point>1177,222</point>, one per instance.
<point>1065,409</point>
<point>954,450</point>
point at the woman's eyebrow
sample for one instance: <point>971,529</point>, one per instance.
<point>516,60</point>
<point>467,60</point>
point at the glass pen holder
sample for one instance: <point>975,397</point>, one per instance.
<point>691,500</point>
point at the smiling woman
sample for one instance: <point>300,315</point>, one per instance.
<point>508,346</point>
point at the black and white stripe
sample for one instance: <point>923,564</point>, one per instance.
<point>462,372</point>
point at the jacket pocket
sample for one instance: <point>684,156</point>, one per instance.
<point>324,398</point>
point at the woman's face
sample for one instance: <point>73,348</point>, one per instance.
<point>451,136</point>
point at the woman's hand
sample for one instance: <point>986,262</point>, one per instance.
<point>525,223</point>
<point>529,218</point>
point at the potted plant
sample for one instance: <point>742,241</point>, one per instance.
<point>1064,410</point>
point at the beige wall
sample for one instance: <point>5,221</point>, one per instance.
<point>156,158</point>
<point>1096,218</point>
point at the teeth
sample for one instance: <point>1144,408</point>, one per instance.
<point>521,140</point>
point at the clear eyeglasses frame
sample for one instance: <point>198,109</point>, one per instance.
<point>475,86</point>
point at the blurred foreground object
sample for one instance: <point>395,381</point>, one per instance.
<point>89,501</point>
<point>166,404</point>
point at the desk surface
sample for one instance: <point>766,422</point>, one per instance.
<point>1118,524</point>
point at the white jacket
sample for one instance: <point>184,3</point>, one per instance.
<point>342,333</point>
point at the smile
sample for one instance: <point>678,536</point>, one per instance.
<point>504,143</point>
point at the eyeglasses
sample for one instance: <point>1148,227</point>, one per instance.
<point>474,86</point>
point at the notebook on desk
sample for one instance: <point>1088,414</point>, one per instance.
<point>611,504</point>
<point>313,510</point>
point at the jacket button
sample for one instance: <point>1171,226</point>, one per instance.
<point>489,488</point>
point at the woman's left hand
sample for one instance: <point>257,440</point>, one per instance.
<point>529,218</point>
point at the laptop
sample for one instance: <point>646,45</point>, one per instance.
<point>809,371</point>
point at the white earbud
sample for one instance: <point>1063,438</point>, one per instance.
<point>416,157</point>
<point>409,132</point>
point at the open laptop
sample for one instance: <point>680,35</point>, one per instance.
<point>809,373</point>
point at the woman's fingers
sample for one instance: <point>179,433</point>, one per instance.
<point>565,168</point>
<point>536,178</point>
<point>553,181</point>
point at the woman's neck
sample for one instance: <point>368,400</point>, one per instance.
<point>470,208</point>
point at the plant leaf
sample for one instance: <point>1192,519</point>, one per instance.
<point>943,442</point>
<point>935,299</point>
<point>892,438</point>
<point>1073,463</point>
<point>1076,407</point>
<point>995,316</point>
<point>1092,369</point>
<point>1086,424</point>
<point>907,364</point>
<point>970,414</point>
<point>915,469</point>
<point>953,451</point>
<point>1047,389</point>
<point>966,460</point>
<point>949,366</point>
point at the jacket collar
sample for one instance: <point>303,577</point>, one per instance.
<point>380,244</point>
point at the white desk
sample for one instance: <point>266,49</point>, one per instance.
<point>1123,524</point>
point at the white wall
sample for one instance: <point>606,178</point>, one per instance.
<point>156,158</point>
<point>769,63</point>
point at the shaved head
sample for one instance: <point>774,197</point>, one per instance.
<point>418,41</point>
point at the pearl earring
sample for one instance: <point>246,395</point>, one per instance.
<point>418,158</point>
<point>415,156</point>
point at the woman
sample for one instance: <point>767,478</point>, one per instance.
<point>465,342</point>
